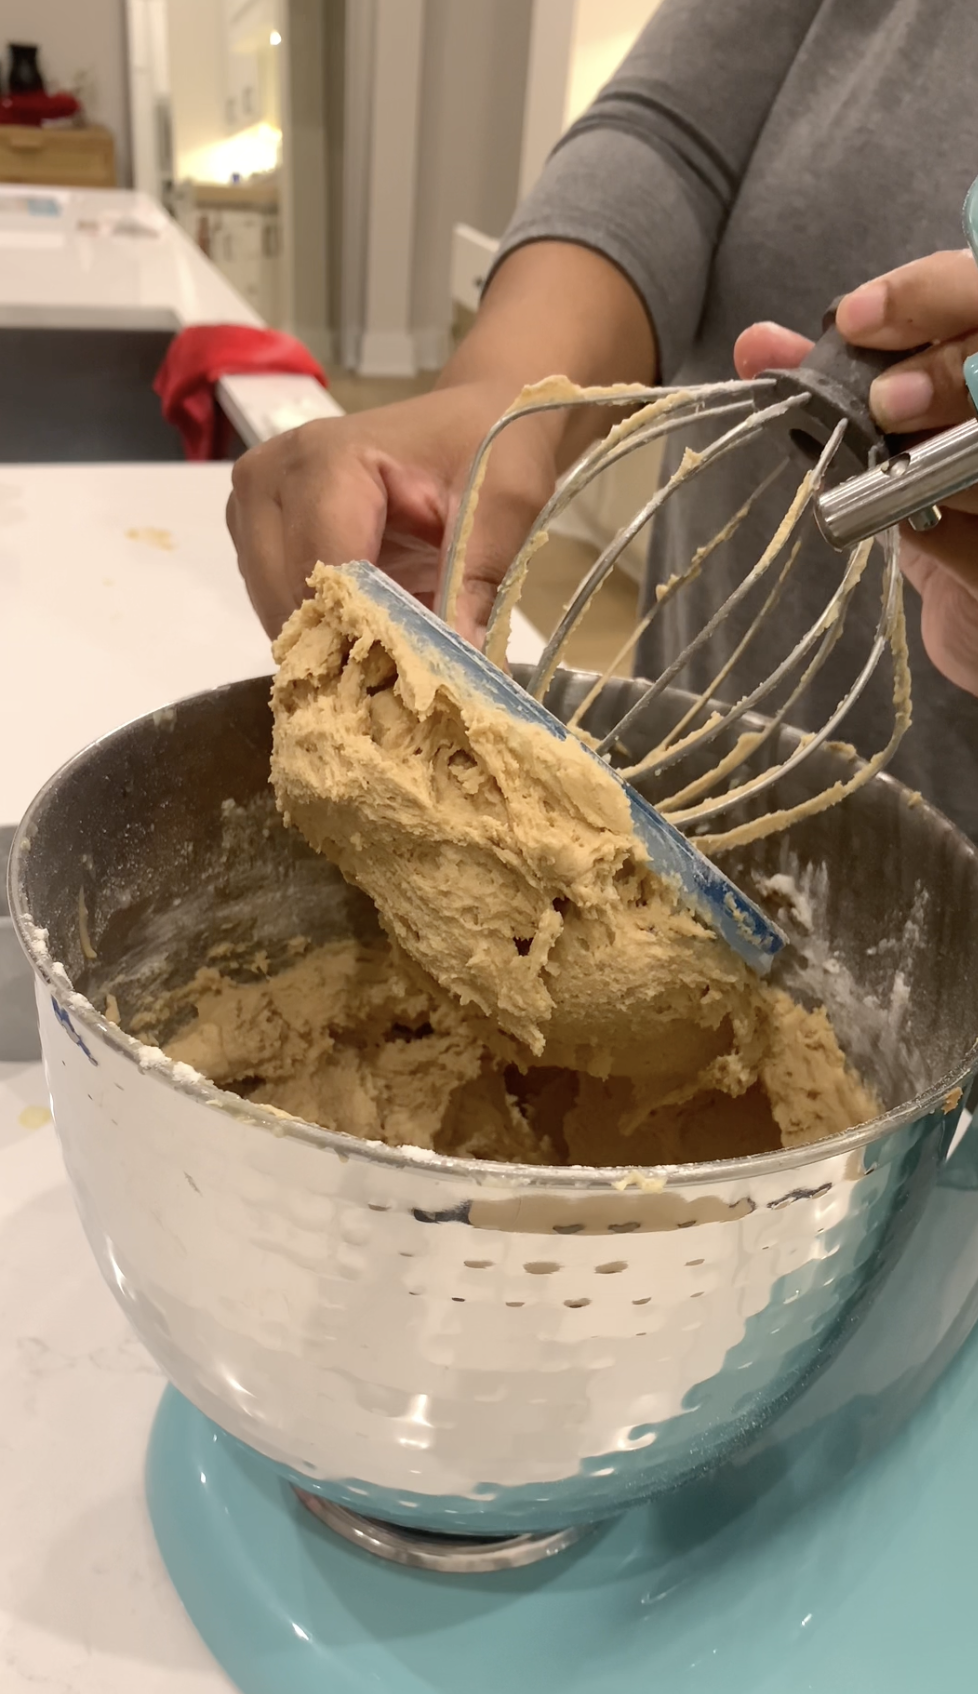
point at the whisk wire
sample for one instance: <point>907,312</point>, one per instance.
<point>656,413</point>
<point>667,591</point>
<point>890,634</point>
<point>594,463</point>
<point>830,635</point>
<point>800,501</point>
<point>691,465</point>
<point>558,394</point>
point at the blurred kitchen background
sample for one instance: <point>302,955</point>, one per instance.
<point>347,165</point>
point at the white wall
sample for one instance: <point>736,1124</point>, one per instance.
<point>387,346</point>
<point>304,268</point>
<point>604,30</point>
<point>150,137</point>
<point>575,47</point>
<point>82,42</point>
<point>197,77</point>
<point>473,83</point>
<point>433,127</point>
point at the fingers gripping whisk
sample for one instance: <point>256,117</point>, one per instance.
<point>708,772</point>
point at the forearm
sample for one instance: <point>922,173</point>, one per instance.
<point>554,307</point>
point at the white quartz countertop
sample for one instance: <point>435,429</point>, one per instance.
<point>105,257</point>
<point>119,593</point>
<point>86,1606</point>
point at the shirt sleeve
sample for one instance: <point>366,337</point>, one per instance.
<point>648,175</point>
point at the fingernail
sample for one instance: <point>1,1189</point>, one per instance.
<point>864,309</point>
<point>899,396</point>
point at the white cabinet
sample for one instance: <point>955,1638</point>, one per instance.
<point>243,103</point>
<point>243,240</point>
<point>252,32</point>
<point>252,23</point>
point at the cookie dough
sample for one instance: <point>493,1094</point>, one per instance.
<point>503,866</point>
<point>354,1038</point>
<point>351,1038</point>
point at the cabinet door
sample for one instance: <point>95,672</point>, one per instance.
<point>270,302</point>
<point>249,24</point>
<point>67,158</point>
<point>236,251</point>
<point>247,234</point>
<point>244,91</point>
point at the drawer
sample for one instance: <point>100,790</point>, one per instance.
<point>236,236</point>
<point>63,158</point>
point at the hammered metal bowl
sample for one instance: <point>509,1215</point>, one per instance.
<point>463,1347</point>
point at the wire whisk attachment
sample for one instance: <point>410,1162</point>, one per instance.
<point>698,766</point>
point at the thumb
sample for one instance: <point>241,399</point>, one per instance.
<point>520,479</point>
<point>284,514</point>
<point>334,518</point>
<point>492,549</point>
<point>373,507</point>
<point>768,347</point>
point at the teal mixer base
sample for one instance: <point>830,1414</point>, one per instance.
<point>837,1556</point>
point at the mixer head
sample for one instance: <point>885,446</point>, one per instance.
<point>694,772</point>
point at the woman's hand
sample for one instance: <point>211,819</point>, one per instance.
<point>932,300</point>
<point>385,485</point>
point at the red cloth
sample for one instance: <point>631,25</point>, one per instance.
<point>35,109</point>
<point>195,362</point>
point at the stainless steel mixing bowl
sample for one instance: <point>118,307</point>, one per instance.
<point>456,1346</point>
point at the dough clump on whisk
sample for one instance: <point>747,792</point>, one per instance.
<point>503,865</point>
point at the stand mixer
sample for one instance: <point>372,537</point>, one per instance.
<point>467,1367</point>
<point>436,1424</point>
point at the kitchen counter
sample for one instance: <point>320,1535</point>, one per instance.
<point>86,1606</point>
<point>112,258</point>
<point>103,257</point>
<point>118,593</point>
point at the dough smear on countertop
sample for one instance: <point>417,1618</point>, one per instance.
<point>544,995</point>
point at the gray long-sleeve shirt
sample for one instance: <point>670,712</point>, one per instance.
<point>753,159</point>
